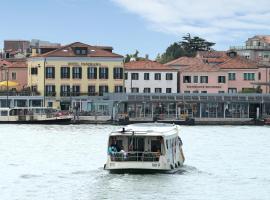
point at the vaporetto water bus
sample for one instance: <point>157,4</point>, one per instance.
<point>32,115</point>
<point>145,148</point>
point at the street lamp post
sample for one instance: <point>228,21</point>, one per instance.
<point>44,80</point>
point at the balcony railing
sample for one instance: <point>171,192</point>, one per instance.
<point>250,47</point>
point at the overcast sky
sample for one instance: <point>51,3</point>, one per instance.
<point>146,25</point>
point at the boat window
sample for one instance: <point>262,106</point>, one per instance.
<point>13,112</point>
<point>4,113</point>
<point>155,145</point>
<point>167,144</point>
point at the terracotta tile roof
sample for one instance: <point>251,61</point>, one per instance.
<point>239,63</point>
<point>68,51</point>
<point>200,68</point>
<point>185,61</point>
<point>212,54</point>
<point>14,63</point>
<point>146,65</point>
<point>4,63</point>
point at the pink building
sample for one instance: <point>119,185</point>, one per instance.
<point>16,70</point>
<point>219,72</point>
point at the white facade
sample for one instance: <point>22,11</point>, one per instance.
<point>141,85</point>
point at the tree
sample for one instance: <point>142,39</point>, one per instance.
<point>189,46</point>
<point>135,57</point>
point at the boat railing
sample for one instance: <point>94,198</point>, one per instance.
<point>135,156</point>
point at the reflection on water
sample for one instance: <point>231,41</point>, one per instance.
<point>66,162</point>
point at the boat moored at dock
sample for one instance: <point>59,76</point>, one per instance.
<point>33,115</point>
<point>145,148</point>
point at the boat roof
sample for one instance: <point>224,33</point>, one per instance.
<point>149,129</point>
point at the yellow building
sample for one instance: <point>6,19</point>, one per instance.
<point>76,69</point>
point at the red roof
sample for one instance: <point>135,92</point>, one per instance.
<point>68,51</point>
<point>14,63</point>
<point>185,61</point>
<point>239,63</point>
<point>213,61</point>
<point>146,65</point>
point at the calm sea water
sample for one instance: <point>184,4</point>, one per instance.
<point>66,163</point>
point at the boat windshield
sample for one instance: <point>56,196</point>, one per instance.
<point>136,148</point>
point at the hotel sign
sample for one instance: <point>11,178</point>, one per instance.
<point>202,86</point>
<point>84,63</point>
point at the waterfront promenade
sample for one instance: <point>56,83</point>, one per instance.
<point>204,108</point>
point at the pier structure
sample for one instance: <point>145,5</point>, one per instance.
<point>151,107</point>
<point>201,107</point>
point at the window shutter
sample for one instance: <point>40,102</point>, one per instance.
<point>68,72</point>
<point>80,71</point>
<point>107,73</point>
<point>95,73</point>
<point>53,72</point>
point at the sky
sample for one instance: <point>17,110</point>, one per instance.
<point>148,26</point>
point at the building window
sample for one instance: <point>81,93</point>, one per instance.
<point>204,79</point>
<point>147,90</point>
<point>77,72</point>
<point>126,76</point>
<point>34,88</point>
<point>186,79</point>
<point>259,75</point>
<point>80,51</point>
<point>76,90</point>
<point>249,76</point>
<point>13,76</point>
<point>134,90</point>
<point>232,77</point>
<point>118,73</point>
<point>158,90</point>
<point>65,72</point>
<point>221,79</point>
<point>92,73</point>
<point>195,79</point>
<point>134,76</point>
<point>232,90</point>
<point>118,89</point>
<point>195,91</point>
<point>91,90</point>
<point>34,71</point>
<point>103,89</point>
<point>204,92</point>
<point>103,73</point>
<point>50,90</point>
<point>168,90</point>
<point>50,72</point>
<point>221,92</point>
<point>64,90</point>
<point>146,76</point>
<point>169,76</point>
<point>157,76</point>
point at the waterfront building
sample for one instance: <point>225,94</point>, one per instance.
<point>14,70</point>
<point>219,72</point>
<point>76,69</point>
<point>149,77</point>
<point>256,48</point>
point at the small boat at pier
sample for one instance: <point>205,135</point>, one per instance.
<point>145,148</point>
<point>33,115</point>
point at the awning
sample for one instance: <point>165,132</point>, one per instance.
<point>9,83</point>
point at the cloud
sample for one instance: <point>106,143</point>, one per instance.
<point>212,19</point>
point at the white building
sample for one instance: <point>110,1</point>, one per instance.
<point>149,77</point>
